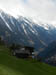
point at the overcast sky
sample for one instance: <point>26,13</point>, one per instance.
<point>38,10</point>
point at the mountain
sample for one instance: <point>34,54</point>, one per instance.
<point>50,50</point>
<point>49,54</point>
<point>23,30</point>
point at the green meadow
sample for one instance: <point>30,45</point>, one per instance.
<point>10,65</point>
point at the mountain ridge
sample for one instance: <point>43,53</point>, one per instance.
<point>24,31</point>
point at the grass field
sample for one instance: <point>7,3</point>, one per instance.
<point>10,65</point>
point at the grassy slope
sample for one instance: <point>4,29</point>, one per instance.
<point>10,65</point>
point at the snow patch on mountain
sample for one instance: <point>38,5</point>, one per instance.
<point>12,21</point>
<point>5,22</point>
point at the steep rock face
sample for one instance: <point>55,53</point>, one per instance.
<point>24,31</point>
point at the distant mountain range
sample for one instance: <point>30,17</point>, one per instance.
<point>23,30</point>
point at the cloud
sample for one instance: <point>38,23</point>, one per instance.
<point>12,7</point>
<point>38,10</point>
<point>43,10</point>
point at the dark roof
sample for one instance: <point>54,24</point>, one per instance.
<point>29,47</point>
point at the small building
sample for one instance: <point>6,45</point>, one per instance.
<point>22,51</point>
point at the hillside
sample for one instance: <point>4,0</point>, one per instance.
<point>25,31</point>
<point>49,54</point>
<point>10,65</point>
<point>49,51</point>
